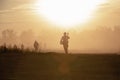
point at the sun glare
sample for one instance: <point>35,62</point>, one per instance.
<point>67,13</point>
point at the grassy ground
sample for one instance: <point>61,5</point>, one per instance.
<point>52,66</point>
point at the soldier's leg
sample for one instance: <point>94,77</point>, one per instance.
<point>66,49</point>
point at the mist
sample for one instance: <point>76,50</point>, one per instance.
<point>98,40</point>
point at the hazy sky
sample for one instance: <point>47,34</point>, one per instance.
<point>21,10</point>
<point>20,15</point>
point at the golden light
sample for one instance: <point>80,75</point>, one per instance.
<point>67,13</point>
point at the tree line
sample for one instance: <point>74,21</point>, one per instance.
<point>13,41</point>
<point>103,38</point>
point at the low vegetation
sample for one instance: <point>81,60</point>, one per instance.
<point>53,66</point>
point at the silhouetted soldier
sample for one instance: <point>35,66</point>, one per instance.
<point>36,45</point>
<point>64,42</point>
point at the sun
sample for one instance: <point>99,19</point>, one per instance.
<point>67,13</point>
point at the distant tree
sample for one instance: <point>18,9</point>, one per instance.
<point>3,48</point>
<point>15,46</point>
<point>9,36</point>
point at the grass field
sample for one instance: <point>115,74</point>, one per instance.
<point>53,66</point>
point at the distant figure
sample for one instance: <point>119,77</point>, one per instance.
<point>64,41</point>
<point>36,45</point>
